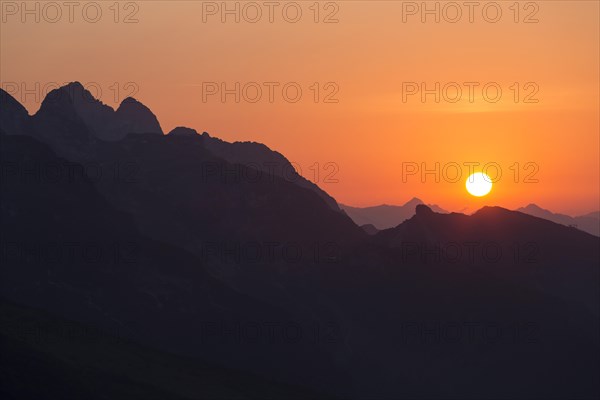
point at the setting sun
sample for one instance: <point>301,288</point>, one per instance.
<point>479,184</point>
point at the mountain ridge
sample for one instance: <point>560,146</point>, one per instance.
<point>90,120</point>
<point>352,298</point>
<point>589,223</point>
<point>385,216</point>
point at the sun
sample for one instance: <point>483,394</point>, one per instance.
<point>479,184</point>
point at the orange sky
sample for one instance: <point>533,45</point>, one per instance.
<point>368,54</point>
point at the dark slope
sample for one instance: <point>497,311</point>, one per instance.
<point>87,261</point>
<point>14,118</point>
<point>48,357</point>
<point>259,156</point>
<point>525,249</point>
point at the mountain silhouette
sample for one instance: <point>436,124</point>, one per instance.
<point>13,116</point>
<point>180,192</point>
<point>589,223</point>
<point>204,260</point>
<point>183,131</point>
<point>89,262</point>
<point>516,244</point>
<point>63,112</point>
<point>260,157</point>
<point>385,216</point>
<point>134,117</point>
<point>73,103</point>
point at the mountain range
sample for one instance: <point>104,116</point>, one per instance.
<point>210,260</point>
<point>385,216</point>
<point>589,223</point>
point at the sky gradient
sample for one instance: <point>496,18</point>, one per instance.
<point>363,64</point>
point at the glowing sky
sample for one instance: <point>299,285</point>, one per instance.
<point>369,55</point>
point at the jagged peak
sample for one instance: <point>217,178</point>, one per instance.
<point>139,115</point>
<point>73,85</point>
<point>415,201</point>
<point>76,94</point>
<point>130,99</point>
<point>74,100</point>
<point>423,210</point>
<point>183,131</point>
<point>131,102</point>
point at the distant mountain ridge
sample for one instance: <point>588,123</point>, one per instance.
<point>589,223</point>
<point>388,216</point>
<point>385,216</point>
